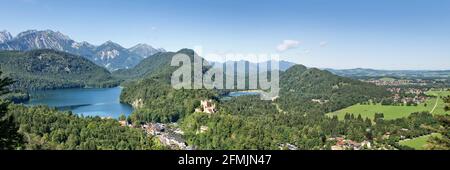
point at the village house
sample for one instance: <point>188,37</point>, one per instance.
<point>344,144</point>
<point>166,135</point>
<point>123,123</point>
<point>207,106</point>
<point>154,128</point>
<point>415,91</point>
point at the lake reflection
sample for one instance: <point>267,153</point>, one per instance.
<point>103,102</point>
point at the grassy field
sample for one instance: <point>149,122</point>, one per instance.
<point>394,112</point>
<point>440,105</point>
<point>419,142</point>
<point>438,93</point>
<point>388,79</point>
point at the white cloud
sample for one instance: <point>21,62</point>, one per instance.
<point>323,43</point>
<point>288,44</point>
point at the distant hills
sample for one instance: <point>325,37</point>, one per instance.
<point>362,72</point>
<point>357,72</point>
<point>283,65</point>
<point>50,69</point>
<point>110,55</point>
<point>158,60</point>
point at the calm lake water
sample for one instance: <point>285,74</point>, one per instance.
<point>239,93</point>
<point>103,102</point>
<point>243,93</point>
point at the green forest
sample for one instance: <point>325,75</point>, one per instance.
<point>43,128</point>
<point>49,69</point>
<point>297,117</point>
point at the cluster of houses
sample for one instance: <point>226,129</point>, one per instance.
<point>418,95</point>
<point>405,100</point>
<point>415,82</point>
<point>416,91</point>
<point>169,136</point>
<point>345,144</point>
<point>166,136</point>
<point>390,82</point>
<point>154,128</point>
<point>395,90</point>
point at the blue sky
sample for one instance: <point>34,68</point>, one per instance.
<point>382,34</point>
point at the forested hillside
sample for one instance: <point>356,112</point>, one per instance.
<point>247,122</point>
<point>296,117</point>
<point>147,66</point>
<point>45,128</point>
<point>316,91</point>
<point>49,69</point>
<point>153,97</point>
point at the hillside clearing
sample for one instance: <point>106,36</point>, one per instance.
<point>418,143</point>
<point>434,105</point>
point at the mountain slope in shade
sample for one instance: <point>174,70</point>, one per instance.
<point>147,66</point>
<point>109,54</point>
<point>50,69</point>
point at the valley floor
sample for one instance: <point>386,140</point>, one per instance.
<point>434,105</point>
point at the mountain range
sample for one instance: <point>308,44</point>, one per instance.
<point>109,54</point>
<point>363,72</point>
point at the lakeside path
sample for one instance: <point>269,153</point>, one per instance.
<point>435,105</point>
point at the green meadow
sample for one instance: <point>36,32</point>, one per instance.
<point>418,143</point>
<point>434,105</point>
<point>440,104</point>
<point>387,79</point>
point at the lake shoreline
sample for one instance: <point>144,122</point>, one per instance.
<point>103,102</point>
